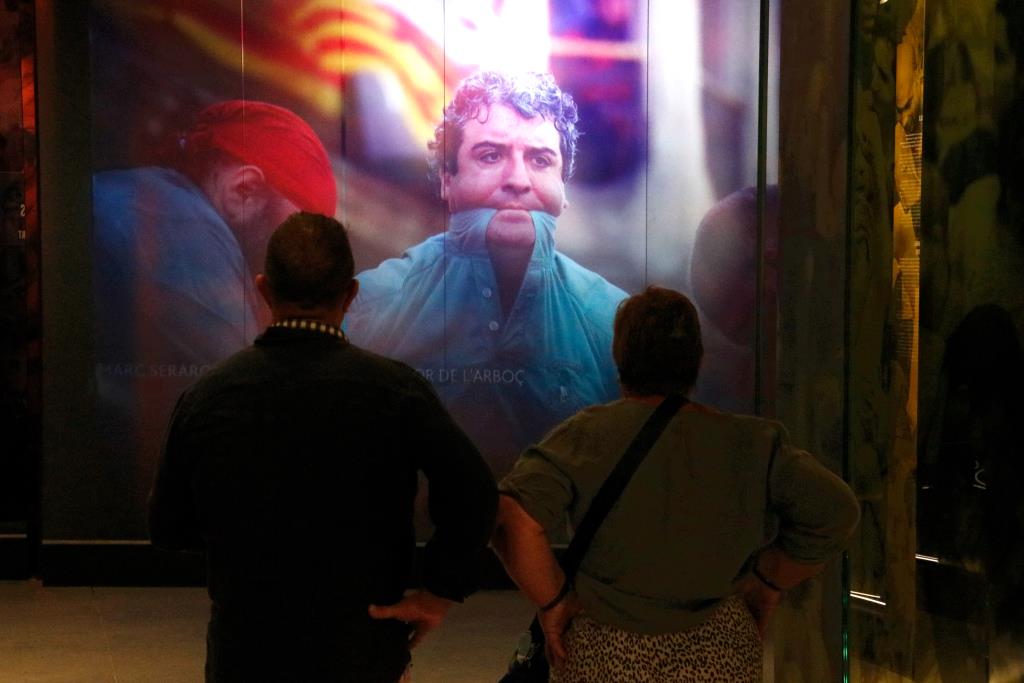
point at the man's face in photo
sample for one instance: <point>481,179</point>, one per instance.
<point>509,163</point>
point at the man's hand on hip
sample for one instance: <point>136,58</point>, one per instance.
<point>423,610</point>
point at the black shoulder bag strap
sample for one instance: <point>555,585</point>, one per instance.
<point>612,488</point>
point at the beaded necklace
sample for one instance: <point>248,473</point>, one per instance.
<point>311,325</point>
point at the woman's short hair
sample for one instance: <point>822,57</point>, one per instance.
<point>657,345</point>
<point>309,261</point>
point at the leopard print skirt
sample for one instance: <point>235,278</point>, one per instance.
<point>726,647</point>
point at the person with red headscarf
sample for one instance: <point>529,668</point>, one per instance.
<point>175,248</point>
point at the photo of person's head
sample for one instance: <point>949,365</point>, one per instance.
<point>533,100</point>
<point>257,163</point>
<point>513,333</point>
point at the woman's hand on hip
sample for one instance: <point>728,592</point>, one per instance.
<point>761,601</point>
<point>555,622</point>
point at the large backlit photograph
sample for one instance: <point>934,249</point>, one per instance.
<point>508,173</point>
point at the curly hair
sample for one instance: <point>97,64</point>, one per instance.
<point>530,93</point>
<point>657,342</point>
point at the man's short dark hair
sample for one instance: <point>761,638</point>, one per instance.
<point>309,261</point>
<point>530,94</point>
<point>657,345</point>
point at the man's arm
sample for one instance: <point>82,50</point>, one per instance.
<point>423,610</point>
<point>173,523</point>
<point>462,502</point>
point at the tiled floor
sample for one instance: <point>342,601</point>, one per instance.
<point>156,635</point>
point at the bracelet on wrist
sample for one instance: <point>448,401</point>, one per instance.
<point>562,592</point>
<point>764,579</point>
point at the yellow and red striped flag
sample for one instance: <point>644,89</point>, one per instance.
<point>311,49</point>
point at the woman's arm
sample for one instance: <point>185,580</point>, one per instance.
<point>818,513</point>
<point>523,547</point>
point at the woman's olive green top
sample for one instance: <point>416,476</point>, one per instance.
<point>715,489</point>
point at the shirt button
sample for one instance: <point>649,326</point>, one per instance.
<point>493,326</point>
<point>486,292</point>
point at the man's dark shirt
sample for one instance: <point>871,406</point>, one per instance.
<point>294,466</point>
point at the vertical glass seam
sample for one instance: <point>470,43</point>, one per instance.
<point>762,179</point>
<point>851,138</point>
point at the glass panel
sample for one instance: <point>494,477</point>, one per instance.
<point>883,458</point>
<point>702,218</point>
<point>666,93</point>
<point>172,290</point>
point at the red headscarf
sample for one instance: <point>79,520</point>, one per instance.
<point>291,156</point>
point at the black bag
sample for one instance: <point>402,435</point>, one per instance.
<point>529,663</point>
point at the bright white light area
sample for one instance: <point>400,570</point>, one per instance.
<point>927,558</point>
<point>677,169</point>
<point>474,34</point>
<point>867,597</point>
<point>516,38</point>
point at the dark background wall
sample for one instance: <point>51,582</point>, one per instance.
<point>19,290</point>
<point>970,513</point>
